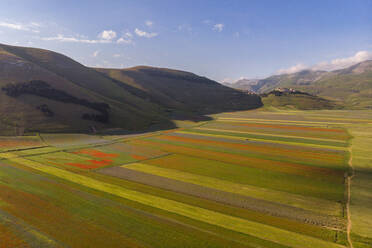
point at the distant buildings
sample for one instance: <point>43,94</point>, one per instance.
<point>286,90</point>
<point>249,92</point>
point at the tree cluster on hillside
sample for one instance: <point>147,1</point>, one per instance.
<point>45,110</point>
<point>43,89</point>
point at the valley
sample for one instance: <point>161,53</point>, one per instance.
<point>186,124</point>
<point>255,178</point>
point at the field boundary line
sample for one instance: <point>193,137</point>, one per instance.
<point>158,133</point>
<point>363,121</point>
<point>265,207</point>
<point>276,123</point>
<point>42,139</point>
<point>256,229</point>
<point>288,121</point>
<point>23,149</point>
<point>273,135</point>
<point>248,190</point>
<point>139,161</point>
<point>267,141</point>
<point>26,231</point>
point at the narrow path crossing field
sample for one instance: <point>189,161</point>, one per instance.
<point>360,188</point>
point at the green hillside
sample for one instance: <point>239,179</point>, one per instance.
<point>352,88</point>
<point>302,101</point>
<point>45,91</point>
<point>176,90</point>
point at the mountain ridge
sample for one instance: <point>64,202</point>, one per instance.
<point>67,95</point>
<point>351,86</point>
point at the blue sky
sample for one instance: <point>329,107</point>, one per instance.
<point>218,39</point>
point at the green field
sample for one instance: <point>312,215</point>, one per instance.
<point>260,179</point>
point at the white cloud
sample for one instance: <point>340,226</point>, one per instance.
<point>144,33</point>
<point>95,54</point>
<point>125,39</point>
<point>35,24</point>
<point>341,63</point>
<point>149,23</point>
<point>335,64</point>
<point>72,39</point>
<point>13,26</point>
<point>232,80</point>
<point>218,27</point>
<point>30,27</point>
<point>116,55</point>
<point>107,35</point>
<point>293,69</point>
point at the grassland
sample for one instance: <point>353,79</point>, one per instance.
<point>245,179</point>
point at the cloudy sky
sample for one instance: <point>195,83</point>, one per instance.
<point>223,40</point>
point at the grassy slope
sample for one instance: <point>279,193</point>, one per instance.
<point>148,97</point>
<point>354,90</point>
<point>175,90</point>
<point>73,78</point>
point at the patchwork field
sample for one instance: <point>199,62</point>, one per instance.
<point>19,143</point>
<point>259,179</point>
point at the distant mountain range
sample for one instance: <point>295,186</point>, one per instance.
<point>351,87</point>
<point>243,84</point>
<point>41,90</point>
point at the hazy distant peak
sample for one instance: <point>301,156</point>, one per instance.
<point>365,66</point>
<point>344,85</point>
